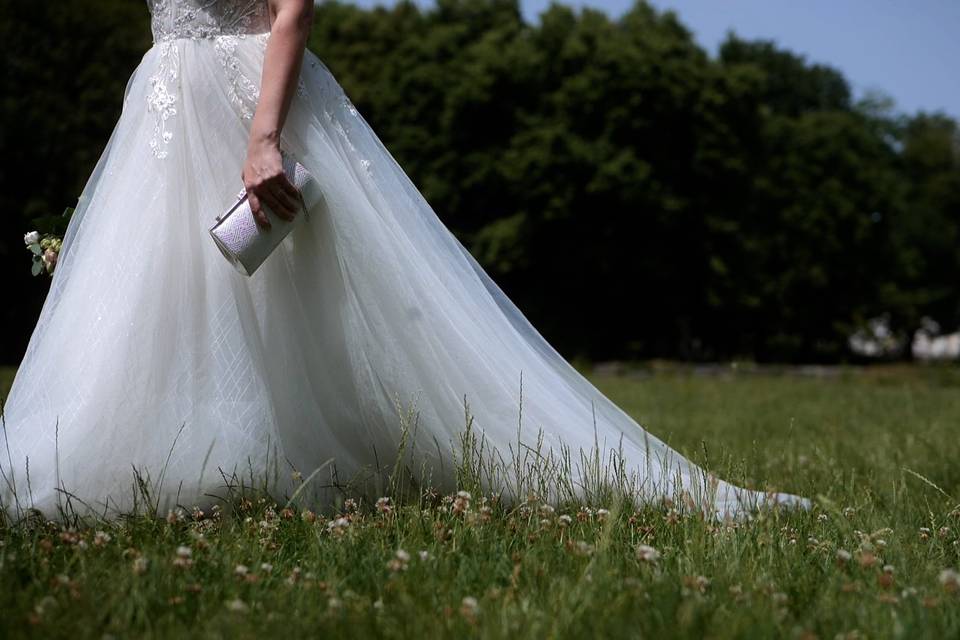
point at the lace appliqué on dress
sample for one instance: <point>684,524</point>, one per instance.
<point>224,21</point>
<point>162,99</point>
<point>344,104</point>
<point>244,93</point>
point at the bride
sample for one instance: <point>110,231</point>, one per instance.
<point>369,341</point>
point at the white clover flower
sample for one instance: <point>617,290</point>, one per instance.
<point>241,570</point>
<point>843,555</point>
<point>384,506</point>
<point>31,238</point>
<point>45,602</point>
<point>266,567</point>
<point>461,503</point>
<point>267,526</point>
<point>339,526</point>
<point>580,548</point>
<point>424,555</point>
<point>294,576</point>
<point>950,579</point>
<point>237,605</point>
<point>564,520</point>
<point>183,557</point>
<point>140,565</point>
<point>469,607</point>
<point>696,583</point>
<point>646,553</point>
<point>399,562</point>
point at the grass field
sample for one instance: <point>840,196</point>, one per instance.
<point>877,557</point>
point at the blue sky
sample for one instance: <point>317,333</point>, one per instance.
<point>910,50</point>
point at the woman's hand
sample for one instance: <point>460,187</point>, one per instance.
<point>266,183</point>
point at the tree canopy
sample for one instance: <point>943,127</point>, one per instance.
<point>635,196</point>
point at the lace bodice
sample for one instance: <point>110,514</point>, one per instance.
<point>171,19</point>
<point>223,25</point>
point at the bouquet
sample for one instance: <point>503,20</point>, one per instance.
<point>46,247</point>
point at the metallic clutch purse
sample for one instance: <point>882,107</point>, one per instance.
<point>241,240</point>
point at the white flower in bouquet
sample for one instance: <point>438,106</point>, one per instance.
<point>31,238</point>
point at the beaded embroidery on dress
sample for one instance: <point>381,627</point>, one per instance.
<point>369,331</point>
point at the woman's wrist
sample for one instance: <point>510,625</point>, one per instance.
<point>269,136</point>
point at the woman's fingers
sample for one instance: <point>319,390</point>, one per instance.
<point>290,203</point>
<point>277,206</point>
<point>259,215</point>
<point>289,188</point>
<point>277,193</point>
<point>284,191</point>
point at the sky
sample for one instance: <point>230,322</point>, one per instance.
<point>908,49</point>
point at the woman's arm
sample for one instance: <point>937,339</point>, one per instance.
<point>262,173</point>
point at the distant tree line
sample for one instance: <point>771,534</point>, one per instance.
<point>635,196</point>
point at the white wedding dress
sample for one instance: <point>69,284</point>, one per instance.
<point>369,335</point>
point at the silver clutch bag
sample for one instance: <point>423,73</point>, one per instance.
<point>241,240</point>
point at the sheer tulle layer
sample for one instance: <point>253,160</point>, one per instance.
<point>152,352</point>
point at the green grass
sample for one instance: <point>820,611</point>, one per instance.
<point>876,448</point>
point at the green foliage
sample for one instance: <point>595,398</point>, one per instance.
<point>698,207</point>
<point>873,558</point>
<point>928,236</point>
<point>611,163</point>
<point>66,66</point>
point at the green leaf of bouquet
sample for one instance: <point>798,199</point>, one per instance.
<point>36,268</point>
<point>35,247</point>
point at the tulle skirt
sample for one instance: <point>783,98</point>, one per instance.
<point>369,342</point>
